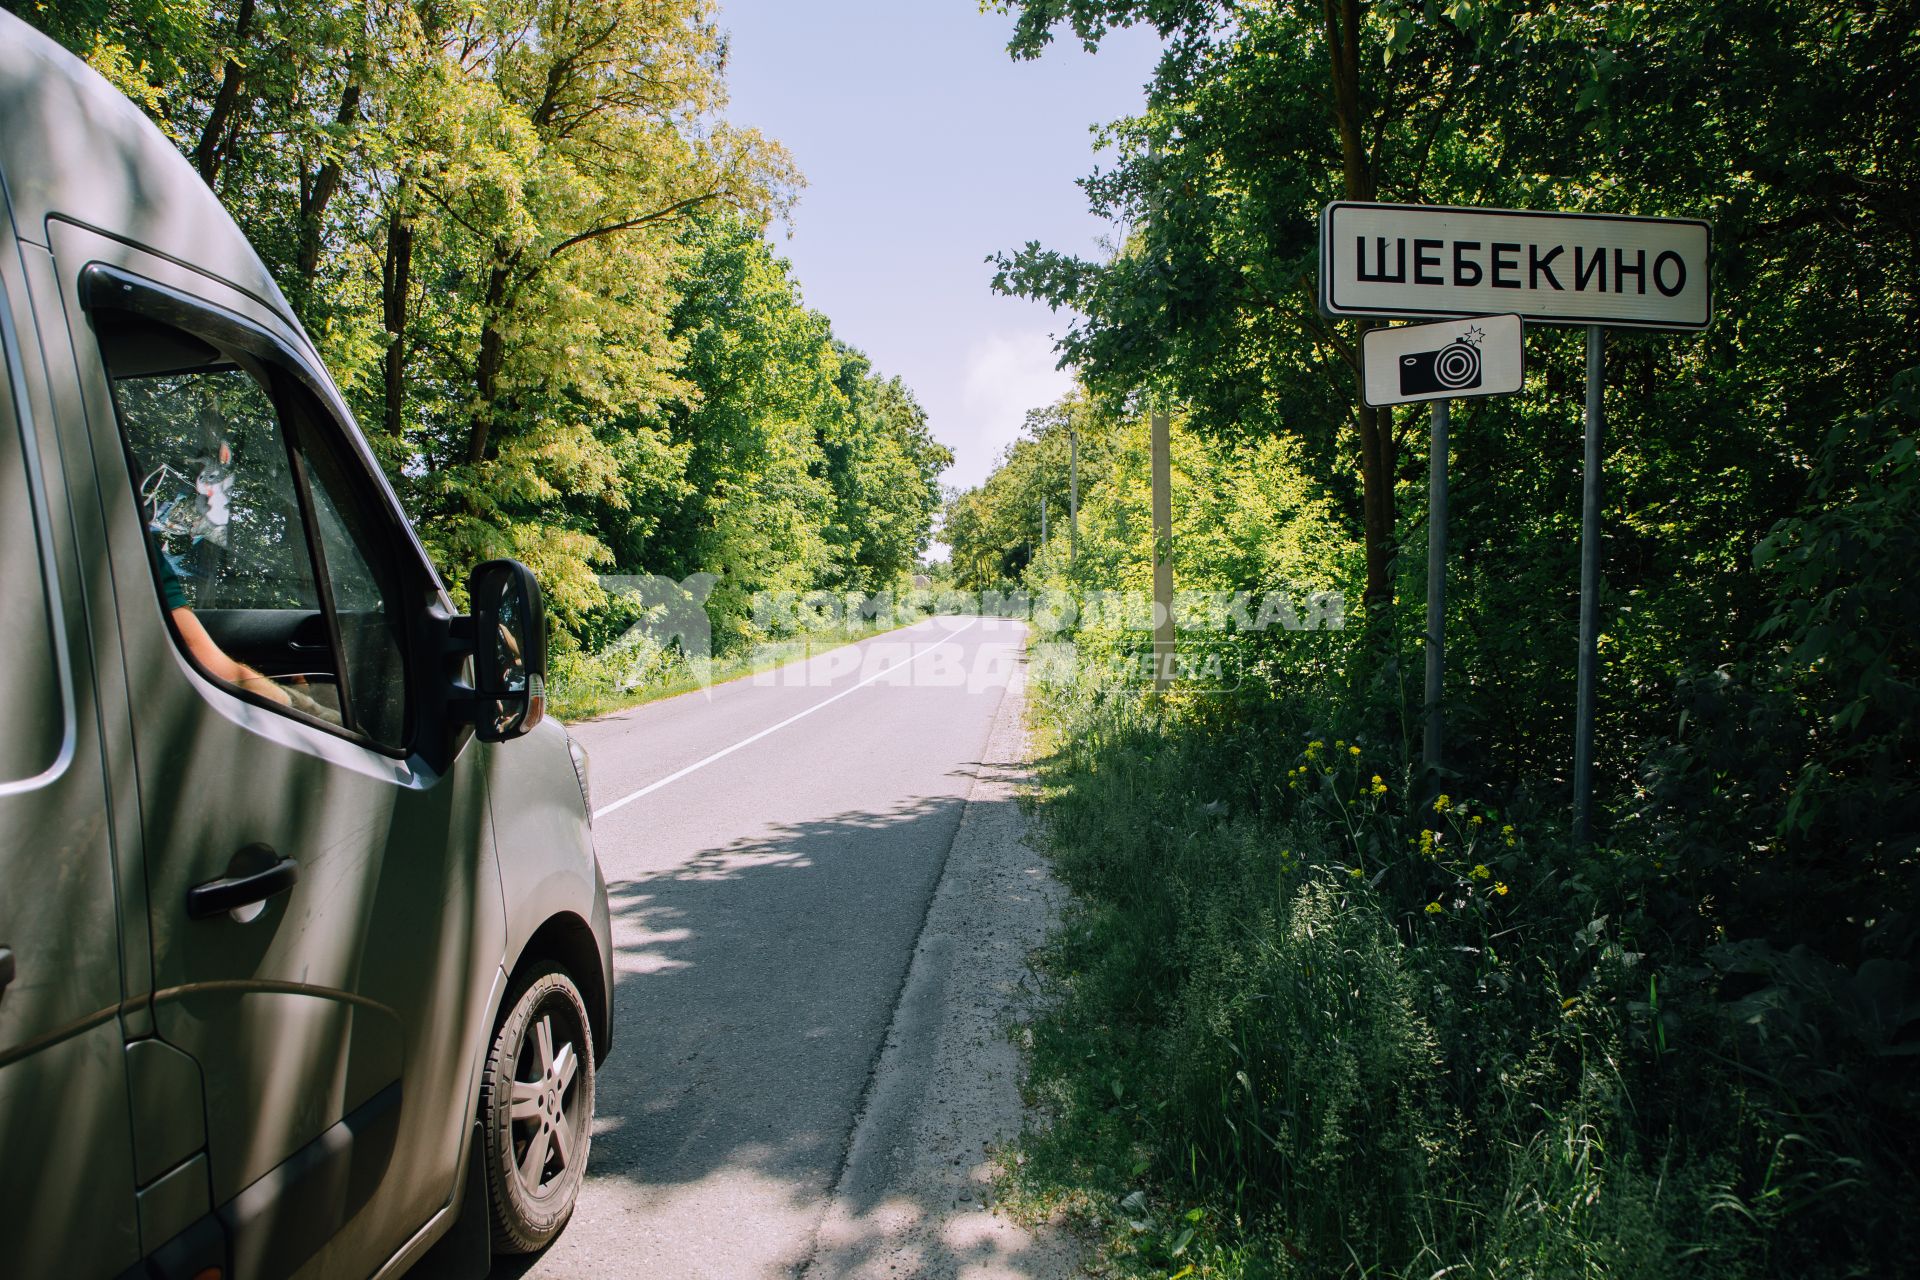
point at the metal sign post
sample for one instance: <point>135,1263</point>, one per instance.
<point>1587,688</point>
<point>1430,745</point>
<point>1484,356</point>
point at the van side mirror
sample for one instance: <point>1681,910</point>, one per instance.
<point>509,622</point>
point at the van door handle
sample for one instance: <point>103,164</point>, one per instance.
<point>6,967</point>
<point>217,897</point>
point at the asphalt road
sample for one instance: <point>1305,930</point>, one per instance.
<point>771,848</point>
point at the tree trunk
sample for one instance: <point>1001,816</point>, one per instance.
<point>210,153</point>
<point>493,357</point>
<point>396,274</point>
<point>315,196</point>
<point>1375,428</point>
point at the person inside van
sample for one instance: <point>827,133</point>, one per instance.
<point>201,647</point>
<point>212,659</point>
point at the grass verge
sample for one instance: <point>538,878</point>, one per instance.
<point>1302,1021</point>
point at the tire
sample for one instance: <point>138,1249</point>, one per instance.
<point>536,1110</point>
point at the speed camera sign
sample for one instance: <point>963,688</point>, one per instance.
<point>1483,356</point>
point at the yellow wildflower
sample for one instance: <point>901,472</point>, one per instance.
<point>1477,820</point>
<point>1435,909</point>
<point>1353,751</point>
<point>1500,887</point>
<point>1356,872</point>
<point>1442,803</point>
<point>1480,872</point>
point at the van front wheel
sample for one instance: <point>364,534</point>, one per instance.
<point>536,1108</point>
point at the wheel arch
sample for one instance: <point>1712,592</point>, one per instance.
<point>567,940</point>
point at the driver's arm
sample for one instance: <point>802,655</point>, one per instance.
<point>214,660</point>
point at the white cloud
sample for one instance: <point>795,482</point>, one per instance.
<point>1006,375</point>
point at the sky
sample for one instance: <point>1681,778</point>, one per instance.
<point>925,149</point>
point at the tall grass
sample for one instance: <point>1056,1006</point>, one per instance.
<point>1303,1022</point>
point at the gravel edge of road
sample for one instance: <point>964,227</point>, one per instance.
<point>914,1197</point>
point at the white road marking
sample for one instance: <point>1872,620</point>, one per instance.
<point>652,787</point>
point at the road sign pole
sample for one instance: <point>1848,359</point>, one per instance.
<point>1585,696</point>
<point>1436,585</point>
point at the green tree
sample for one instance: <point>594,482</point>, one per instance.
<point>1738,949</point>
<point>758,377</point>
<point>884,467</point>
<point>1257,117</point>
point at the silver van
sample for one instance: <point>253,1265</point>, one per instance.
<point>304,953</point>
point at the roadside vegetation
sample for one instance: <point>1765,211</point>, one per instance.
<point>532,250</point>
<point>1314,1011</point>
<point>627,669</point>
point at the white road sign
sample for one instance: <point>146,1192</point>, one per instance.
<point>1483,356</point>
<point>1552,268</point>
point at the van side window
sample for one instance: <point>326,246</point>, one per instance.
<point>36,714</point>
<point>265,578</point>
<point>216,486</point>
<point>364,601</point>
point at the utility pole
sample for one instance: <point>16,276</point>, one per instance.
<point>1073,495</point>
<point>1163,634</point>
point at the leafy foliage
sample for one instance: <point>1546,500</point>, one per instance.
<point>529,244</point>
<point>1686,1049</point>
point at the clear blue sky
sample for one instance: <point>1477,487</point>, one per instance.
<point>926,148</point>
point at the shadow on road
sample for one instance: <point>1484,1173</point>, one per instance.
<point>754,987</point>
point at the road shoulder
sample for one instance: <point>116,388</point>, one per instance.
<point>914,1198</point>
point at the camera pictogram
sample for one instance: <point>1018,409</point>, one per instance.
<point>1454,367</point>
